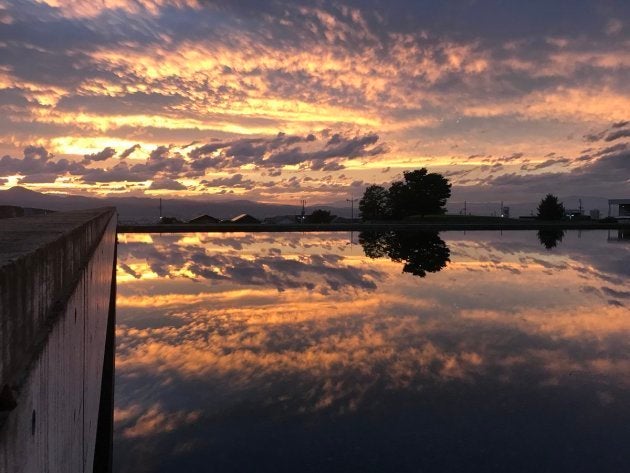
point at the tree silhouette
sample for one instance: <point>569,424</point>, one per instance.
<point>374,243</point>
<point>426,193</point>
<point>421,252</point>
<point>374,203</point>
<point>550,208</point>
<point>421,193</point>
<point>319,216</point>
<point>550,238</point>
<point>399,200</point>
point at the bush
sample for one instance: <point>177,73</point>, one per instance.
<point>319,216</point>
<point>550,208</point>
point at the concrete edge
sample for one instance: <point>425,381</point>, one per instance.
<point>96,221</point>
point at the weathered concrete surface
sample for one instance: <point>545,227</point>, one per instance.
<point>55,290</point>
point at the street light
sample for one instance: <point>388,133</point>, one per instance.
<point>351,200</point>
<point>303,216</point>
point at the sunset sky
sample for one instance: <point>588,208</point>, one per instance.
<point>282,100</point>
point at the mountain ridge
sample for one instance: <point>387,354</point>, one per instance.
<point>146,209</point>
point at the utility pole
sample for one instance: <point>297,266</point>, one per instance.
<point>303,210</point>
<point>160,208</point>
<point>351,200</point>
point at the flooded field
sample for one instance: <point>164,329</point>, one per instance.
<point>373,352</point>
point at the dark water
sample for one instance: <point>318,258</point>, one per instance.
<point>400,352</point>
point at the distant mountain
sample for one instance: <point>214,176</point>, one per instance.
<point>19,193</point>
<point>146,209</point>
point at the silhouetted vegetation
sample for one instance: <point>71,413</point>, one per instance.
<point>550,238</point>
<point>375,203</point>
<point>421,252</point>
<point>550,208</point>
<point>319,216</point>
<point>421,193</point>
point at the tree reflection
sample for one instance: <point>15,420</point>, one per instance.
<point>550,238</point>
<point>422,252</point>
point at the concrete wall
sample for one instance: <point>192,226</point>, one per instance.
<point>55,292</point>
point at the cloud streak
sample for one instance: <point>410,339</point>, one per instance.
<point>254,86</point>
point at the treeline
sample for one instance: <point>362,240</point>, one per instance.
<point>420,193</point>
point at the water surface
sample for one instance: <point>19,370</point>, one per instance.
<point>375,352</point>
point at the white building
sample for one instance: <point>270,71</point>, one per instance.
<point>623,208</point>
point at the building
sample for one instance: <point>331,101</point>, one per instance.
<point>204,219</point>
<point>594,213</point>
<point>244,218</point>
<point>282,220</point>
<point>623,208</point>
<point>573,214</point>
<point>168,220</point>
<point>622,236</point>
<point>12,211</point>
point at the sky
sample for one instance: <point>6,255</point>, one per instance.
<point>279,101</point>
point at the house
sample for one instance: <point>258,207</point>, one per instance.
<point>204,219</point>
<point>623,236</point>
<point>11,211</point>
<point>281,220</point>
<point>168,220</point>
<point>623,206</point>
<point>244,218</point>
<point>574,214</point>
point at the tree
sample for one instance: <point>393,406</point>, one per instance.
<point>375,244</point>
<point>421,193</point>
<point>319,216</point>
<point>550,238</point>
<point>550,208</point>
<point>399,201</point>
<point>374,203</point>
<point>421,252</point>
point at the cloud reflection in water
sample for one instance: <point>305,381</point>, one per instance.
<point>287,352</point>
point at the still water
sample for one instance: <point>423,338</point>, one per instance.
<point>331,352</point>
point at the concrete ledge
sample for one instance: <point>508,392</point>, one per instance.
<point>56,333</point>
<point>41,259</point>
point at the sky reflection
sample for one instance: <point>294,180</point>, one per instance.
<point>295,352</point>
